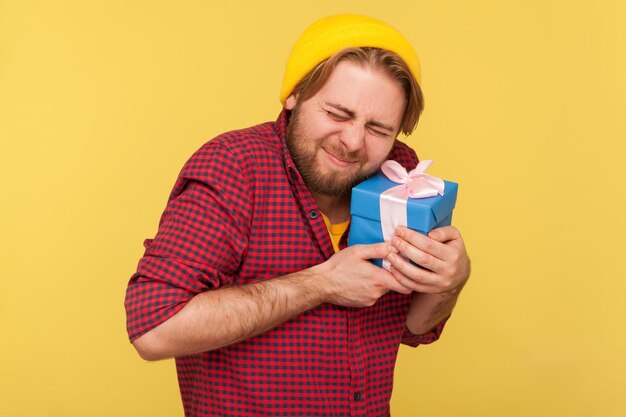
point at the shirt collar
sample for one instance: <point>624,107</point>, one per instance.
<point>281,129</point>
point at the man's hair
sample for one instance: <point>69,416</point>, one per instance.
<point>375,58</point>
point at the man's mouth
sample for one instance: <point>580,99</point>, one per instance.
<point>339,159</point>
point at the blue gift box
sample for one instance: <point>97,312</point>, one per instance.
<point>423,214</point>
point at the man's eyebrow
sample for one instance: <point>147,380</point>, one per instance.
<point>381,125</point>
<point>351,114</point>
<point>340,108</point>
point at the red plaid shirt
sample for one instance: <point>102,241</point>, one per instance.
<point>240,212</point>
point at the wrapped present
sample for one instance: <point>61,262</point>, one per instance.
<point>395,198</point>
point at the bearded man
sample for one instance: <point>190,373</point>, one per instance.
<point>249,283</point>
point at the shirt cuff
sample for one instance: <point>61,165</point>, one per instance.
<point>414,340</point>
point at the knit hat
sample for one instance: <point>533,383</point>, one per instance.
<point>334,33</point>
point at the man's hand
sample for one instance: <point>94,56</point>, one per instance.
<point>444,263</point>
<point>351,280</point>
<point>442,272</point>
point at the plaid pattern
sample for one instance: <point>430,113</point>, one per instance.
<point>239,212</point>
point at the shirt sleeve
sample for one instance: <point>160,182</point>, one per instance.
<point>414,340</point>
<point>404,155</point>
<point>201,240</point>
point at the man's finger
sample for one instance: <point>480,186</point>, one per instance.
<point>417,255</point>
<point>424,243</point>
<point>414,273</point>
<point>397,286</point>
<point>372,251</point>
<point>444,234</point>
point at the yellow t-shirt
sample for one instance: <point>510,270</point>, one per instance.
<point>335,231</point>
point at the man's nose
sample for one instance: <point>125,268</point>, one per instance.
<point>353,137</point>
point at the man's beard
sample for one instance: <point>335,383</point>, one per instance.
<point>305,158</point>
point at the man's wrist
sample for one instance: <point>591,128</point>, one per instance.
<point>311,284</point>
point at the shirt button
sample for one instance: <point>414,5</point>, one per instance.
<point>313,214</point>
<point>294,174</point>
<point>357,396</point>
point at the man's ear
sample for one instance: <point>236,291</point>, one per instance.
<point>291,102</point>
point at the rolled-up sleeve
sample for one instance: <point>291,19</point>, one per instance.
<point>414,340</point>
<point>201,240</point>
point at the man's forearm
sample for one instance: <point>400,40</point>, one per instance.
<point>428,310</point>
<point>224,316</point>
<point>220,317</point>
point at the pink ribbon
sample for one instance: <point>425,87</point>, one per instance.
<point>415,184</point>
<point>393,202</point>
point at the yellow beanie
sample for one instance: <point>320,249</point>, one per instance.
<point>334,33</point>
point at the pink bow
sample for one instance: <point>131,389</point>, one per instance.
<point>415,184</point>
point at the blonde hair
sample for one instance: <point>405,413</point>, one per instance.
<point>388,62</point>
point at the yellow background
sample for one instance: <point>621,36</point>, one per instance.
<point>101,103</point>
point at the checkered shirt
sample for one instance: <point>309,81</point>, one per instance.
<point>239,213</point>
